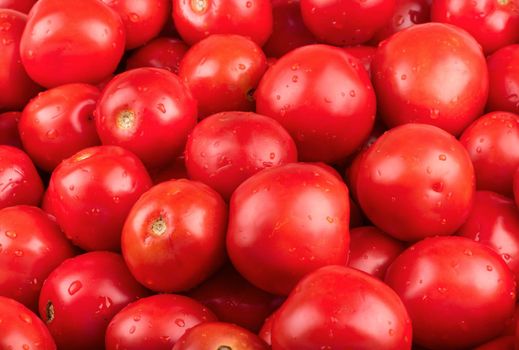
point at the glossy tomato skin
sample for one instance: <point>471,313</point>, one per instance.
<point>219,335</point>
<point>492,23</point>
<point>503,76</point>
<point>23,6</point>
<point>329,112</point>
<point>459,293</point>
<point>501,343</point>
<point>196,20</point>
<point>92,192</point>
<point>148,111</point>
<point>32,245</point>
<point>516,187</point>
<point>431,73</point>
<point>155,322</point>
<point>21,328</point>
<point>175,170</point>
<point>82,295</point>
<point>222,71</point>
<point>71,42</point>
<point>174,236</point>
<point>227,148</point>
<point>306,229</point>
<point>58,123</point>
<point>143,19</point>
<point>333,307</point>
<point>491,141</point>
<point>20,182</point>
<point>16,86</point>
<point>9,129</point>
<point>363,53</point>
<point>416,181</point>
<point>339,22</point>
<point>161,52</point>
<point>265,332</point>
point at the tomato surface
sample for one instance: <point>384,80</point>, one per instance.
<point>161,52</point>
<point>9,129</point>
<point>18,5</point>
<point>503,76</point>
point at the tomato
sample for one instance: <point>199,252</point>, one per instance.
<point>19,180</point>
<point>301,226</point>
<point>174,236</point>
<point>503,76</point>
<point>501,343</point>
<point>340,22</point>
<point>221,336</point>
<point>338,307</point>
<point>9,129</point>
<point>356,215</point>
<point>431,73</point>
<point>227,148</point>
<point>459,293</point>
<point>265,332</point>
<point>363,53</point>
<point>21,328</point>
<point>516,187</point>
<point>176,170</point>
<point>18,5</point>
<point>416,181</point>
<point>148,111</point>
<point>372,251</point>
<point>222,71</point>
<point>58,123</point>
<point>71,42</point>
<point>160,52</point>
<point>490,141</point>
<point>492,23</point>
<point>82,295</point>
<point>197,19</point>
<point>235,300</point>
<point>92,192</point>
<point>16,86</point>
<point>143,19</point>
<point>155,322</point>
<point>329,110</point>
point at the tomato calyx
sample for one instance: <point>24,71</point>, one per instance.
<point>126,119</point>
<point>49,312</point>
<point>158,227</point>
<point>224,347</point>
<point>199,6</point>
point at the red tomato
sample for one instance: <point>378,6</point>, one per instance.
<point>430,73</point>
<point>18,5</point>
<point>372,251</point>
<point>148,111</point>
<point>58,123</point>
<point>197,19</point>
<point>290,220</point>
<point>71,42</point>
<point>174,236</point>
<point>9,129</point>
<point>338,307</point>
<point>235,300</point>
<point>143,19</point>
<point>19,180</point>
<point>222,71</point>
<point>501,343</point>
<point>491,141</point>
<point>459,293</point>
<point>176,170</point>
<point>220,336</point>
<point>364,54</point>
<point>493,23</point>
<point>160,52</point>
<point>16,86</point>
<point>356,215</point>
<point>516,187</point>
<point>265,332</point>
<point>92,192</point>
<point>346,22</point>
<point>30,248</point>
<point>82,295</point>
<point>155,323</point>
<point>328,109</point>
<point>503,76</point>
<point>416,181</point>
<point>21,328</point>
<point>229,147</point>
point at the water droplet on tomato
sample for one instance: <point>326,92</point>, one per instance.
<point>74,287</point>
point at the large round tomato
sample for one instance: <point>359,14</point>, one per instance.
<point>503,76</point>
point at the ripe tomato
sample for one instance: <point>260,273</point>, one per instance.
<point>9,129</point>
<point>21,328</point>
<point>302,225</point>
<point>459,293</point>
<point>92,192</point>
<point>221,336</point>
<point>18,5</point>
<point>174,236</point>
<point>222,71</point>
<point>431,73</point>
<point>155,322</point>
<point>19,180</point>
<point>71,42</point>
<point>265,332</point>
<point>363,53</point>
<point>329,110</point>
<point>148,111</point>
<point>176,170</point>
<point>227,148</point>
<point>160,52</point>
<point>58,123</point>
<point>338,307</point>
<point>501,343</point>
<point>197,19</point>
<point>416,181</point>
<point>503,76</point>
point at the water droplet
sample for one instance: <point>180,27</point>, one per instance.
<point>248,4</point>
<point>403,77</point>
<point>26,347</point>
<point>161,108</point>
<point>179,322</point>
<point>506,257</point>
<point>330,219</point>
<point>11,234</point>
<point>391,332</point>
<point>393,199</point>
<point>295,67</point>
<point>52,134</point>
<point>134,17</point>
<point>442,289</point>
<point>137,318</point>
<point>74,287</point>
<point>438,186</point>
<point>132,329</point>
<point>116,199</point>
<point>434,113</point>
<point>467,252</point>
<point>489,268</point>
<point>399,20</point>
<point>352,93</point>
<point>278,97</point>
<point>18,253</point>
<point>442,157</point>
<point>25,318</point>
<point>272,155</point>
<point>295,78</point>
<point>241,66</point>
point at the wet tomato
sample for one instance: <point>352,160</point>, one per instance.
<point>161,52</point>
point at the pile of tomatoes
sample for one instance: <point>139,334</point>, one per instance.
<point>259,174</point>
